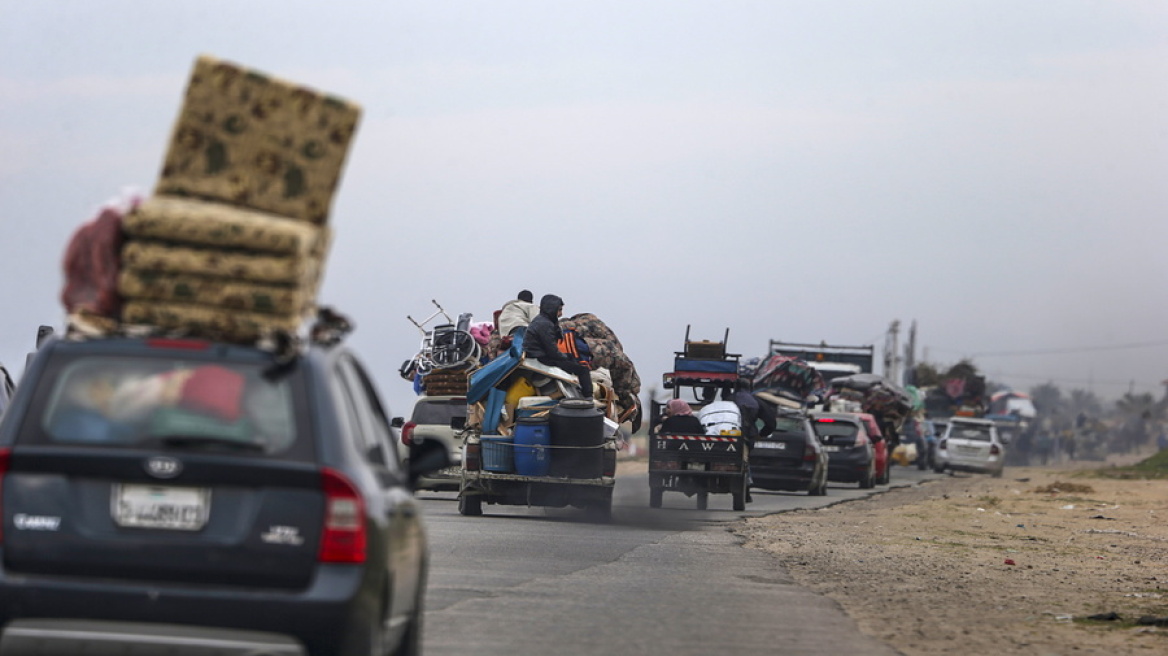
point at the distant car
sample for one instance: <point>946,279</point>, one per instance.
<point>790,459</point>
<point>434,418</point>
<point>879,448</point>
<point>972,445</point>
<point>183,496</point>
<point>849,449</point>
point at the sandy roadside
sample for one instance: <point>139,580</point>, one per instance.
<point>975,565</point>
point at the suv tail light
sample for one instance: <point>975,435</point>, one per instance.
<point>343,538</point>
<point>943,444</point>
<point>5,455</point>
<point>994,450</point>
<point>810,454</point>
<point>407,433</point>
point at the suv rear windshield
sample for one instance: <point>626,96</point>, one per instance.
<point>788,427</point>
<point>161,401</point>
<point>835,432</point>
<point>970,432</point>
<point>438,412</point>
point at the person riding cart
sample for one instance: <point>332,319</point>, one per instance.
<point>712,459</point>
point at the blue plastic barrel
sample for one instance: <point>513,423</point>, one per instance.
<point>497,453</point>
<point>532,438</point>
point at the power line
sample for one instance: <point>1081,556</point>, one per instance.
<point>1078,381</point>
<point>1061,351</point>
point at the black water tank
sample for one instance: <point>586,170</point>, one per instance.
<point>577,425</point>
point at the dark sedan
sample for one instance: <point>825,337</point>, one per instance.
<point>177,495</point>
<point>849,449</point>
<point>790,459</point>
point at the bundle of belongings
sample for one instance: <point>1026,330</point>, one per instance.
<point>232,246</point>
<point>511,387</point>
<point>788,381</point>
<point>877,396</point>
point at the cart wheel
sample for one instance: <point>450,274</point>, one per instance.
<point>470,505</point>
<point>655,494</point>
<point>703,500</point>
<point>739,498</point>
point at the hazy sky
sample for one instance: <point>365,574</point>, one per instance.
<point>805,171</point>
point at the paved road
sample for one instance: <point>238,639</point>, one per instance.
<point>526,581</point>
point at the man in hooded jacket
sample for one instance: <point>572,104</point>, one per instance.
<point>541,340</point>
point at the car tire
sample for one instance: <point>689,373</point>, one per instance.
<point>869,480</point>
<point>940,469</point>
<point>738,500</point>
<point>997,473</point>
<point>470,505</point>
<point>655,494</point>
<point>703,500</point>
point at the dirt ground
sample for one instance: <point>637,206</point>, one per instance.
<point>976,565</point>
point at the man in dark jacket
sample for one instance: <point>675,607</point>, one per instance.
<point>540,342</point>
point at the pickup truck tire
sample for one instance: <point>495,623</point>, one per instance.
<point>703,500</point>
<point>655,494</point>
<point>601,511</point>
<point>470,505</point>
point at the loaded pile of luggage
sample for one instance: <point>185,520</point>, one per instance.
<point>232,245</point>
<point>502,386</point>
<point>785,381</point>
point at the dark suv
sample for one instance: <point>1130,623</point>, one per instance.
<point>179,494</point>
<point>850,454</point>
<point>790,458</point>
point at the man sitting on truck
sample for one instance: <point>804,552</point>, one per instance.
<point>542,339</point>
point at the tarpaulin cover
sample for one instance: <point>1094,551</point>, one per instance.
<point>494,372</point>
<point>790,374</point>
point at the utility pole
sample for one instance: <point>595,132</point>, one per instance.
<point>892,353</point>
<point>910,356</point>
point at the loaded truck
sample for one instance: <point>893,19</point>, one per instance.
<point>554,450</point>
<point>830,360</point>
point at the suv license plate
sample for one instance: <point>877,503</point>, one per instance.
<point>153,506</point>
<point>770,445</point>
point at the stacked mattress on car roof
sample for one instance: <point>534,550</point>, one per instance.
<point>233,244</point>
